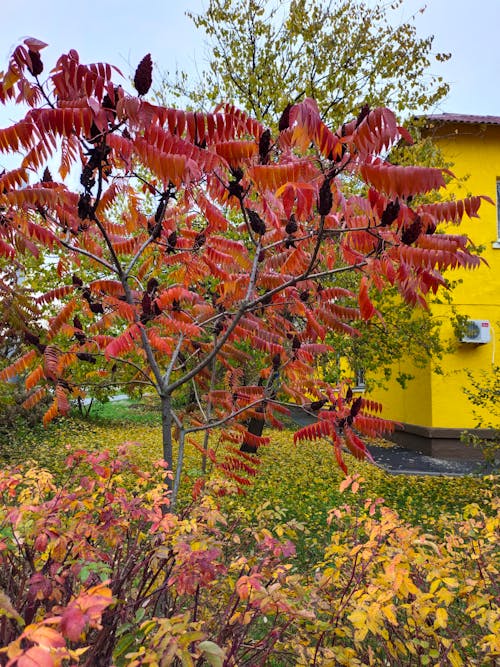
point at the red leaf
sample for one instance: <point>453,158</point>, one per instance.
<point>124,342</point>
<point>366,307</point>
<point>338,455</point>
<point>396,180</point>
<point>73,623</point>
<point>316,431</point>
<point>36,656</point>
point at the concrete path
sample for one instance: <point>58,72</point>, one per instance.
<point>399,461</point>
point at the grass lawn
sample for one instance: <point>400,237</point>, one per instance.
<point>297,482</point>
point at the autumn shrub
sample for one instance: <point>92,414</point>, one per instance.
<point>69,552</point>
<point>390,592</point>
<point>97,571</point>
<point>302,482</point>
<point>294,482</point>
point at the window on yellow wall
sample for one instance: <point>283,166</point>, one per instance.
<point>359,379</point>
<point>496,244</point>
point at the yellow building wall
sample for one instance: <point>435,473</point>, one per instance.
<point>411,404</point>
<point>451,407</point>
<point>432,399</point>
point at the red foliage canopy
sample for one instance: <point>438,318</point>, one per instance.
<point>213,246</point>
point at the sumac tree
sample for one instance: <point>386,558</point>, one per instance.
<point>200,250</point>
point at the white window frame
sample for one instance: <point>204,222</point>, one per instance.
<point>496,244</point>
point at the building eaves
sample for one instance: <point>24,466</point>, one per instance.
<point>462,118</point>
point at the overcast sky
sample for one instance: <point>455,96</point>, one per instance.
<point>122,32</point>
<point>469,30</point>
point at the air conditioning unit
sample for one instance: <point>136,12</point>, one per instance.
<point>476,331</point>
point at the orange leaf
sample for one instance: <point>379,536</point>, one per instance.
<point>366,307</point>
<point>50,414</point>
<point>44,636</point>
<point>396,180</point>
<point>18,366</point>
<point>34,377</point>
<point>35,398</point>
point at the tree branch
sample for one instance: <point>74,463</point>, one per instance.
<point>224,420</point>
<point>90,255</point>
<point>175,354</point>
<point>218,346</point>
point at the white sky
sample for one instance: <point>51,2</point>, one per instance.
<point>469,30</point>
<point>121,33</point>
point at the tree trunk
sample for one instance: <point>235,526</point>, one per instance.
<point>178,470</point>
<point>255,427</point>
<point>166,427</point>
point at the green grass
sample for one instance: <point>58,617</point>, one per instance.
<point>126,411</point>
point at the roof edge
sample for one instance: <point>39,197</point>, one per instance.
<point>469,119</point>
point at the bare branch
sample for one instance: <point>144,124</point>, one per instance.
<point>224,420</point>
<point>175,354</point>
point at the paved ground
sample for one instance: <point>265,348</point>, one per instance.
<point>399,461</point>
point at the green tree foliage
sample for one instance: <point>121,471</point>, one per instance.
<point>401,334</point>
<point>265,55</point>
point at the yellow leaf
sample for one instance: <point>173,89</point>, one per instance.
<point>441,618</point>
<point>434,585</point>
<point>7,609</point>
<point>451,582</point>
<point>408,586</point>
<point>359,620</point>
<point>388,612</point>
<point>247,617</point>
<point>446,596</point>
<point>455,659</point>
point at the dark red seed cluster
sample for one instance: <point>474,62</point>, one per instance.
<point>143,77</point>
